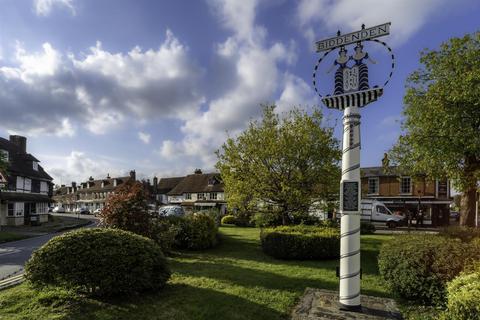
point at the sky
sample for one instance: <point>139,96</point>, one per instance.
<point>107,86</point>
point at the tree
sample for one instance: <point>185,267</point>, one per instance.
<point>281,163</point>
<point>127,209</point>
<point>442,119</point>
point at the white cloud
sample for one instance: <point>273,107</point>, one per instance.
<point>407,16</point>
<point>296,93</point>
<point>144,137</point>
<point>250,75</point>
<point>98,90</point>
<point>44,7</point>
<point>78,166</point>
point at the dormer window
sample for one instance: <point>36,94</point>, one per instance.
<point>35,165</point>
<point>4,155</point>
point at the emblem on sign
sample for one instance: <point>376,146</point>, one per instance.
<point>350,79</point>
<point>352,87</point>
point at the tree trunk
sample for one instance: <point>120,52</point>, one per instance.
<point>467,211</point>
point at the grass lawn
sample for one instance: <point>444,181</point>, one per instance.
<point>232,281</point>
<point>10,236</point>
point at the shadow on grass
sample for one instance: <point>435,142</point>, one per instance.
<point>176,302</point>
<point>259,270</point>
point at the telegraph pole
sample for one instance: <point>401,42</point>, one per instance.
<point>351,92</point>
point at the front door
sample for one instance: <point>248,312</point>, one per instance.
<point>28,211</point>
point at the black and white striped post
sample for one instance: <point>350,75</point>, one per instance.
<point>351,93</point>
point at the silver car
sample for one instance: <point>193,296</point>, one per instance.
<point>169,211</point>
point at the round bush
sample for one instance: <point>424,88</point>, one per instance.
<point>417,267</point>
<point>99,262</point>
<point>195,232</point>
<point>463,295</point>
<point>367,228</point>
<point>228,219</point>
<point>301,242</point>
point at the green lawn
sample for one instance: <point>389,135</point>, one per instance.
<point>10,236</point>
<point>233,281</point>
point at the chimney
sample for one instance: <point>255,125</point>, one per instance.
<point>133,175</point>
<point>74,184</point>
<point>20,142</point>
<point>155,182</point>
<point>198,171</point>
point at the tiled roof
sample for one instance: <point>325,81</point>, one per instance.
<point>167,184</point>
<point>96,185</point>
<point>194,183</point>
<point>377,172</point>
<point>21,163</point>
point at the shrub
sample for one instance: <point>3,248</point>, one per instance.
<point>267,219</point>
<point>418,267</point>
<point>300,217</point>
<point>367,228</point>
<point>213,213</point>
<point>244,218</point>
<point>465,234</point>
<point>163,232</point>
<point>301,242</point>
<point>229,219</point>
<point>463,295</point>
<point>127,209</point>
<point>99,262</point>
<point>195,232</point>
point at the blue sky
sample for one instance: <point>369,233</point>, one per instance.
<point>108,86</point>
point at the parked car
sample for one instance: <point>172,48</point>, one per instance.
<point>58,209</point>
<point>168,211</point>
<point>83,211</point>
<point>97,212</point>
<point>455,215</point>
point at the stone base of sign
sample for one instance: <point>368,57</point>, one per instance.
<point>318,304</point>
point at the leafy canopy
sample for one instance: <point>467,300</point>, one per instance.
<point>442,114</point>
<point>281,162</point>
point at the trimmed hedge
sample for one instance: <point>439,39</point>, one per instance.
<point>100,262</point>
<point>463,294</point>
<point>465,234</point>
<point>301,242</point>
<point>367,228</point>
<point>195,232</point>
<point>229,219</point>
<point>417,267</point>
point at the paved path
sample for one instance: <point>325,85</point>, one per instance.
<point>13,255</point>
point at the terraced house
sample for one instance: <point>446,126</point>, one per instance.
<point>196,191</point>
<point>27,188</point>
<point>91,194</point>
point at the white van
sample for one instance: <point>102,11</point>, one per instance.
<point>376,212</point>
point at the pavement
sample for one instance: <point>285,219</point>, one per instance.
<point>14,255</point>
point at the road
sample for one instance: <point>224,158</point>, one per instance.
<point>13,255</point>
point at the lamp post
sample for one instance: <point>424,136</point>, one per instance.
<point>351,92</point>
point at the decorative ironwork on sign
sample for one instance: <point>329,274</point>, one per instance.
<point>352,87</point>
<point>350,195</point>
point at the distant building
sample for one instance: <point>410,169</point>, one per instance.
<point>194,192</point>
<point>28,187</point>
<point>403,192</point>
<point>91,194</point>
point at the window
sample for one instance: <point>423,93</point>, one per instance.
<point>201,196</point>
<point>28,184</point>
<point>188,196</point>
<point>4,155</point>
<point>382,209</point>
<point>372,185</point>
<point>213,196</point>
<point>35,165</point>
<point>20,183</point>
<point>11,210</point>
<point>406,185</point>
<point>19,208</point>
<point>44,187</point>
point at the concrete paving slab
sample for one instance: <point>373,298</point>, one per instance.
<point>319,304</point>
